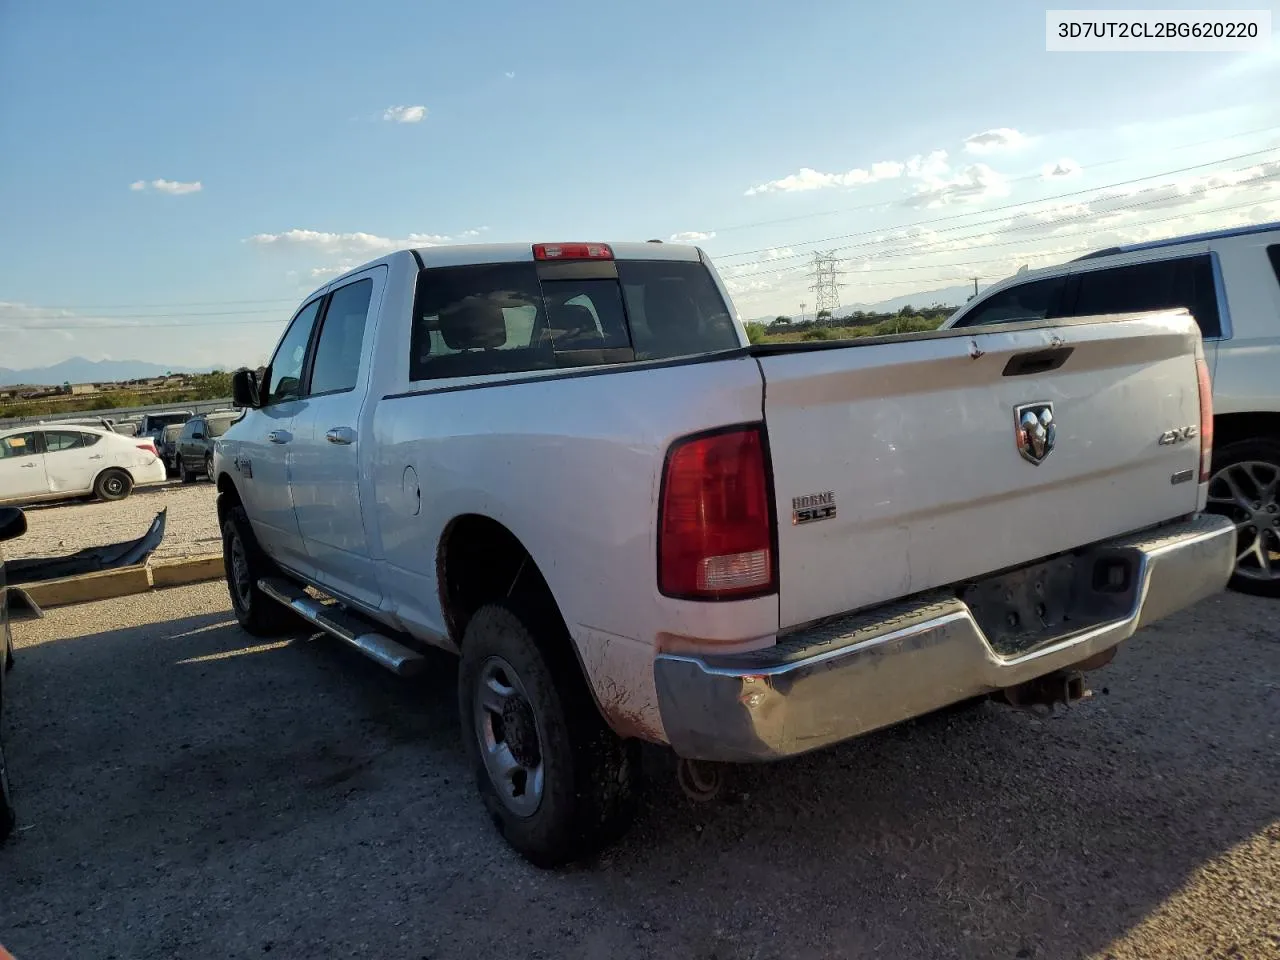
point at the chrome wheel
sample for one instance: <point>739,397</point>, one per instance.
<point>1247,493</point>
<point>509,738</point>
<point>114,486</point>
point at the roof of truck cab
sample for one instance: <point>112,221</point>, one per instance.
<point>463,254</point>
<point>1186,238</point>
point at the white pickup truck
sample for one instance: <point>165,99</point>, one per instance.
<point>566,463</point>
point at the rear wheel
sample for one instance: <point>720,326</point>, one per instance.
<point>558,783</point>
<point>245,564</point>
<point>208,466</point>
<point>8,815</point>
<point>113,484</point>
<point>1245,486</point>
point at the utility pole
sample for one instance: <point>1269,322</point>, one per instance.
<point>802,311</point>
<point>975,287</point>
<point>825,284</point>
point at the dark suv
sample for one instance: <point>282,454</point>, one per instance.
<point>195,442</point>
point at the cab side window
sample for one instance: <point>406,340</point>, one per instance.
<point>1034,300</point>
<point>1156,285</point>
<point>337,362</point>
<point>286,365</point>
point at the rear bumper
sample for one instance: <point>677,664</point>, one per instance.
<point>859,673</point>
<point>153,472</point>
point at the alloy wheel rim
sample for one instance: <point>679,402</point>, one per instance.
<point>1248,493</point>
<point>509,737</point>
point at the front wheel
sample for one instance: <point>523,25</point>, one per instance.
<point>185,475</point>
<point>208,466</point>
<point>1245,486</point>
<point>245,564</point>
<point>558,783</point>
<point>112,485</point>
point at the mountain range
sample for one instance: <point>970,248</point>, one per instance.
<point>80,370</point>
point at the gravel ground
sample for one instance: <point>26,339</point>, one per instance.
<point>191,526</point>
<point>188,792</point>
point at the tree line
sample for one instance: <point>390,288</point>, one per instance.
<point>859,323</point>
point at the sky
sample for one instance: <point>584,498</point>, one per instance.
<point>175,178</point>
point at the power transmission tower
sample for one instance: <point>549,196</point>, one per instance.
<point>825,283</point>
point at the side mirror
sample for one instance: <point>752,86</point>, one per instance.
<point>13,523</point>
<point>197,435</point>
<point>244,389</point>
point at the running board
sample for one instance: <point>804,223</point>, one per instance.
<point>349,627</point>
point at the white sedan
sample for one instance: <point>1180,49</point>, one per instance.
<point>48,463</point>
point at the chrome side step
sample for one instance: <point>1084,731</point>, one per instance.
<point>349,627</point>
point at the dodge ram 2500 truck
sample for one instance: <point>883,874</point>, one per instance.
<point>566,463</point>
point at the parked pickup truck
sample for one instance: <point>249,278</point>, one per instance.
<point>565,463</point>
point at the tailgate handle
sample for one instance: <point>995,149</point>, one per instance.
<point>1038,361</point>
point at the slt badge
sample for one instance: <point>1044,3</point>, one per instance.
<point>1034,430</point>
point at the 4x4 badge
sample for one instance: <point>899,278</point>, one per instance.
<point>1034,430</point>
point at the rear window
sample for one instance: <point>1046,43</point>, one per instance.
<point>515,317</point>
<point>1273,252</point>
<point>220,425</point>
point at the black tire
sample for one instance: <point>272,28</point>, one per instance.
<point>8,815</point>
<point>1263,521</point>
<point>113,484</point>
<point>589,774</point>
<point>208,466</point>
<point>185,475</point>
<point>245,564</point>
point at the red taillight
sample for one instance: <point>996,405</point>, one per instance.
<point>715,528</point>
<point>572,251</point>
<point>149,446</point>
<point>1206,418</point>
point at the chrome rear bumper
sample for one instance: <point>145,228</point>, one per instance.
<point>858,673</point>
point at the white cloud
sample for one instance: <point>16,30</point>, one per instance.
<point>404,114</point>
<point>172,187</point>
<point>473,233</point>
<point>691,236</point>
<point>810,179</point>
<point>933,164</point>
<point>510,75</point>
<point>993,141</point>
<point>356,242</point>
<point>973,183</point>
<point>323,273</point>
<point>1064,169</point>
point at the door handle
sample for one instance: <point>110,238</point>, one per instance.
<point>96,456</point>
<point>278,436</point>
<point>28,466</point>
<point>341,435</point>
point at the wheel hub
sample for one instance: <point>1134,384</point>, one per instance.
<point>520,731</point>
<point>510,742</point>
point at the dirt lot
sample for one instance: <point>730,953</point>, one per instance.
<point>187,792</point>
<point>191,525</point>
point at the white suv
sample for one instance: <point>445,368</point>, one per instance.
<point>1230,281</point>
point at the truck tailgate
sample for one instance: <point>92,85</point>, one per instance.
<point>914,444</point>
